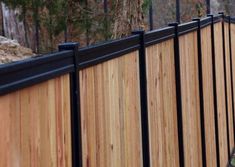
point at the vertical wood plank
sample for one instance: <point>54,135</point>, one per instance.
<point>162,105</point>
<point>35,126</point>
<point>190,99</point>
<point>233,55</point>
<point>220,93</point>
<point>110,113</point>
<point>229,88</point>
<point>208,96</point>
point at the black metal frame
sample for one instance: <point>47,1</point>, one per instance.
<point>143,99</point>
<point>205,22</point>
<point>232,20</point>
<point>178,11</point>
<point>75,106</point>
<point>187,27</point>
<point>208,6</point>
<point>178,94</point>
<point>31,71</point>
<point>157,36</point>
<point>151,15</point>
<point>97,54</point>
<point>217,18</point>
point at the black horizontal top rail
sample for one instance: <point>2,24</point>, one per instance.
<point>187,27</point>
<point>157,36</point>
<point>31,71</point>
<point>217,18</point>
<point>205,22</point>
<point>21,74</point>
<point>227,19</point>
<point>193,25</point>
<point>97,54</point>
<point>232,20</point>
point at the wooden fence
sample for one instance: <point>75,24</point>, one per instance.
<point>161,98</point>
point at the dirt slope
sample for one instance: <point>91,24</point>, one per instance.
<point>10,50</point>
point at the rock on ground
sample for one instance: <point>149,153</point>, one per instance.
<point>11,50</point>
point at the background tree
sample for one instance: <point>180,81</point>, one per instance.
<point>28,6</point>
<point>49,22</point>
<point>24,6</point>
<point>53,19</point>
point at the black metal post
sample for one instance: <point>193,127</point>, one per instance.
<point>75,107</point>
<point>200,78</point>
<point>214,90</point>
<point>231,69</point>
<point>105,7</point>
<point>143,99</point>
<point>178,95</point>
<point>225,83</point>
<point>178,11</point>
<point>106,18</point>
<point>151,15</point>
<point>208,6</point>
<point>86,23</point>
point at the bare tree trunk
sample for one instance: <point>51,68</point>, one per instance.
<point>215,6</point>
<point>1,20</point>
<point>227,7</point>
<point>12,26</point>
<point>128,16</point>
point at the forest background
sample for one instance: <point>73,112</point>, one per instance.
<point>42,24</point>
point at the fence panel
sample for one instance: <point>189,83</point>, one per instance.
<point>208,94</point>
<point>229,88</point>
<point>162,107</point>
<point>110,113</point>
<point>35,125</point>
<point>117,127</point>
<point>190,99</point>
<point>221,106</point>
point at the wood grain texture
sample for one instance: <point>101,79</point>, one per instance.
<point>233,58</point>
<point>229,88</point>
<point>110,113</point>
<point>208,94</point>
<point>163,131</point>
<point>223,145</point>
<point>35,126</point>
<point>190,99</point>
